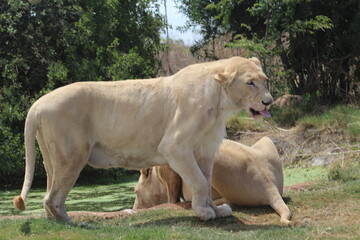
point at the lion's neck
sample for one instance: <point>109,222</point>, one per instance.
<point>226,105</point>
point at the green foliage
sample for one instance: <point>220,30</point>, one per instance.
<point>306,46</point>
<point>57,72</point>
<point>253,47</point>
<point>54,43</point>
<point>12,114</point>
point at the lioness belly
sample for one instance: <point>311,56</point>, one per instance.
<point>130,159</point>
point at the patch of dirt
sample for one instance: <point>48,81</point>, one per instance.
<point>90,216</point>
<point>298,187</point>
<point>87,216</point>
<point>179,205</point>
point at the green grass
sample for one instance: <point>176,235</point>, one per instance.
<point>106,197</point>
<point>329,207</point>
<point>118,196</point>
<point>299,175</point>
<point>243,122</point>
<point>286,116</point>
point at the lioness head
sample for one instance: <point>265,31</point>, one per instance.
<point>149,191</point>
<point>246,85</point>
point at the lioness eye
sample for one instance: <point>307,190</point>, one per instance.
<point>147,172</point>
<point>250,83</point>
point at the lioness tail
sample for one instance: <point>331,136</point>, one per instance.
<point>30,154</point>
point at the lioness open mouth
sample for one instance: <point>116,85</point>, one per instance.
<point>264,113</point>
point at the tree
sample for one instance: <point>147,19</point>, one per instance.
<point>53,43</point>
<point>317,41</point>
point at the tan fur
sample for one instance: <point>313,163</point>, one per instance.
<point>177,120</point>
<point>19,203</point>
<point>244,176</point>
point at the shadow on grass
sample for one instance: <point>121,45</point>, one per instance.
<point>287,200</point>
<point>258,210</point>
<point>231,224</point>
<point>254,211</point>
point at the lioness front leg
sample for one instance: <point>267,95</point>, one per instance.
<point>182,161</point>
<point>206,165</point>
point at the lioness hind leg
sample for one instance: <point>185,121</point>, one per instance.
<point>54,201</point>
<point>278,204</point>
<point>65,171</point>
<point>48,167</point>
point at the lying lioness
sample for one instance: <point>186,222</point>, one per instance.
<point>177,120</point>
<point>245,176</point>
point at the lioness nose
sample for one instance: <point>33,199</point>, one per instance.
<point>267,102</point>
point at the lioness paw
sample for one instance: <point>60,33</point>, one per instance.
<point>205,213</point>
<point>223,211</point>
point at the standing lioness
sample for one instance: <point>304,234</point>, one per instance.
<point>177,120</point>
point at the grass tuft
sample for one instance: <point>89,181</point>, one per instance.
<point>344,171</point>
<point>25,227</point>
<point>286,116</point>
<point>242,122</point>
<point>342,118</point>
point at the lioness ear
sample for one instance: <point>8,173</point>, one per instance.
<point>225,79</point>
<point>256,61</point>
